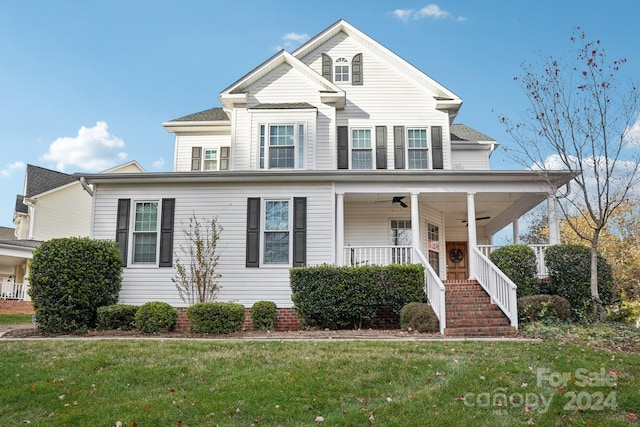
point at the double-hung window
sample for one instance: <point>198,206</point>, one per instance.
<point>361,149</point>
<point>276,232</point>
<point>210,160</point>
<point>145,233</point>
<point>433,246</point>
<point>417,149</point>
<point>282,146</point>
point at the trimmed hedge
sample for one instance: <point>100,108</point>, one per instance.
<point>519,263</point>
<point>543,307</point>
<point>570,274</point>
<point>117,316</point>
<point>70,278</point>
<point>344,297</point>
<point>215,317</point>
<point>263,315</point>
<point>418,316</point>
<point>156,317</point>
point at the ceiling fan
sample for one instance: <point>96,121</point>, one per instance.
<point>396,200</point>
<point>479,218</point>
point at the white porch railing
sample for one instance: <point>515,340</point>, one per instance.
<point>540,251</point>
<point>13,291</point>
<point>434,289</point>
<point>499,287</point>
<point>377,255</point>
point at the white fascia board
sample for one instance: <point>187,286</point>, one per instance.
<point>223,126</point>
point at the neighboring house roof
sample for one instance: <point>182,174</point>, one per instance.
<point>7,233</point>
<point>20,243</point>
<point>460,132</point>
<point>40,180</point>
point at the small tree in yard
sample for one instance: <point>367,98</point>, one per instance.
<point>196,277</point>
<point>581,119</point>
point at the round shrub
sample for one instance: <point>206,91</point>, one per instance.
<point>418,316</point>
<point>519,263</point>
<point>215,317</point>
<point>263,315</point>
<point>156,317</point>
<point>117,316</point>
<point>543,307</point>
<point>570,276</point>
<point>70,278</point>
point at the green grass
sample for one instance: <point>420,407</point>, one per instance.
<point>290,383</point>
<point>12,319</point>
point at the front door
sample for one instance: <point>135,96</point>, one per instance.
<point>457,261</point>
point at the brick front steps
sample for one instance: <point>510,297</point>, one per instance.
<point>471,314</point>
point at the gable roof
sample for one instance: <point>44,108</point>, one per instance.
<point>235,93</point>
<point>39,180</point>
<point>444,97</point>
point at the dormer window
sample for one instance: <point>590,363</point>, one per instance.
<point>341,70</point>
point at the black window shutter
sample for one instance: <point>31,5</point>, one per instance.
<point>166,232</point>
<point>253,232</point>
<point>196,156</point>
<point>224,158</point>
<point>327,67</point>
<point>436,145</point>
<point>381,147</point>
<point>398,147</point>
<point>343,147</point>
<point>299,231</point>
<point>122,228</point>
<point>356,70</point>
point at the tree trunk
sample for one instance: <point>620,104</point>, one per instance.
<point>595,295</point>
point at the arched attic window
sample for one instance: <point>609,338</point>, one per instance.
<point>341,70</point>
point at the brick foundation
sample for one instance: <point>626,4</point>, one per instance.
<point>286,320</point>
<point>15,307</point>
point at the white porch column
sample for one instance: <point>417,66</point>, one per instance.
<point>340,229</point>
<point>472,240</point>
<point>516,231</point>
<point>554,222</point>
<point>415,221</point>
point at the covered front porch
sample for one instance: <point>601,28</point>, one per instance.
<point>448,228</point>
<point>14,265</point>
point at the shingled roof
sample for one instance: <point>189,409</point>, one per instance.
<point>20,206</point>
<point>40,180</point>
<point>460,132</point>
<point>210,115</point>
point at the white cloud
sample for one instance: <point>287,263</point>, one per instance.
<point>429,11</point>
<point>12,167</point>
<point>292,40</point>
<point>158,163</point>
<point>94,149</point>
<point>632,134</point>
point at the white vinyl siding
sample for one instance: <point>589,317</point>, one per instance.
<point>470,159</point>
<point>185,144</point>
<point>54,218</point>
<point>228,203</point>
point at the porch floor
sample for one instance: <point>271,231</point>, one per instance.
<point>470,312</point>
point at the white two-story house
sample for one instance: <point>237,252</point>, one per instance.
<point>340,152</point>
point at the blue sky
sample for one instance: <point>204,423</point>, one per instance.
<point>86,85</point>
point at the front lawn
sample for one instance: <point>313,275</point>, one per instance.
<point>295,383</point>
<point>12,319</point>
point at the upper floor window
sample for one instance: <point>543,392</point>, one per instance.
<point>341,70</point>
<point>282,146</point>
<point>361,149</point>
<point>417,149</point>
<point>209,159</point>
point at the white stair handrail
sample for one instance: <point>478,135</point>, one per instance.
<point>434,289</point>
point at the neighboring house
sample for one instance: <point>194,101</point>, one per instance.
<point>53,204</point>
<point>340,153</point>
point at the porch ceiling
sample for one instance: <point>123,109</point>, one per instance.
<point>501,208</point>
